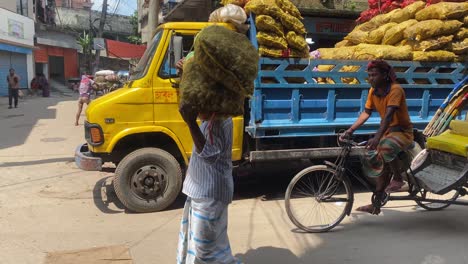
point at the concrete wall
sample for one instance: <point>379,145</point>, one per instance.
<point>11,5</point>
<point>16,29</point>
<point>77,4</point>
<point>76,19</point>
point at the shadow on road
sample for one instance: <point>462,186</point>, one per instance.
<point>269,255</point>
<point>104,196</point>
<point>36,162</point>
<point>23,119</point>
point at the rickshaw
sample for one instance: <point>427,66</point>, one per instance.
<point>319,197</point>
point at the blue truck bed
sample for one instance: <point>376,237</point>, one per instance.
<point>288,102</point>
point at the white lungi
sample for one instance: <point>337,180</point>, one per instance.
<point>203,235</point>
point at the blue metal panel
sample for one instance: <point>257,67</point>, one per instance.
<point>289,102</point>
<point>16,49</point>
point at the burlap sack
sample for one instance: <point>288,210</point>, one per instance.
<point>269,24</point>
<point>439,55</point>
<point>344,53</point>
<point>386,52</point>
<point>271,40</point>
<point>263,7</point>
<point>288,7</point>
<point>297,42</point>
<point>396,34</point>
<point>443,11</point>
<point>228,57</point>
<point>376,36</point>
<point>270,52</point>
<point>429,44</point>
<point>432,28</point>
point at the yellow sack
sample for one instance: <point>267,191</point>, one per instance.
<point>270,40</point>
<point>376,36</point>
<point>296,41</point>
<point>399,15</point>
<point>382,19</point>
<point>465,21</point>
<point>386,52</point>
<point>350,68</point>
<point>460,48</point>
<point>325,68</point>
<point>299,53</point>
<point>442,11</point>
<point>432,28</point>
<point>269,24</point>
<point>269,52</point>
<point>263,7</point>
<point>357,36</point>
<point>429,44</point>
<point>439,55</point>
<point>396,34</point>
<point>233,2</point>
<point>292,23</point>
<point>367,26</point>
<point>462,33</point>
<point>414,8</point>
<point>344,53</point>
<point>289,8</point>
<point>343,43</point>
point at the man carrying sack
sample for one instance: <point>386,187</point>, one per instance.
<point>207,95</point>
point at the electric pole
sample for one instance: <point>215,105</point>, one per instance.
<point>153,18</point>
<point>102,22</point>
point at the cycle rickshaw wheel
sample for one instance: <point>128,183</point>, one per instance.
<point>451,196</point>
<point>316,200</point>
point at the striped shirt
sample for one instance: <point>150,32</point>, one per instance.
<point>209,174</point>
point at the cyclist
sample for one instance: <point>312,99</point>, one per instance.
<point>395,134</point>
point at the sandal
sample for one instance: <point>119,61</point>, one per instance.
<point>369,209</point>
<point>394,186</point>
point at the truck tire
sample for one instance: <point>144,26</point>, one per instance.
<point>148,180</point>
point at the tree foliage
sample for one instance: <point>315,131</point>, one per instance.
<point>135,38</point>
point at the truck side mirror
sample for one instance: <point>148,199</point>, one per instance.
<point>175,54</point>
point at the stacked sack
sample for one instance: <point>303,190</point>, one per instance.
<point>417,32</point>
<point>377,7</point>
<point>220,74</point>
<point>106,80</point>
<point>280,32</point>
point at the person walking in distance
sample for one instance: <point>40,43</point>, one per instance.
<point>86,86</point>
<point>13,88</point>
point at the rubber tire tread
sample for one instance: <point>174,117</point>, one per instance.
<point>163,159</point>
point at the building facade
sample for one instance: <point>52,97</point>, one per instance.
<point>16,41</point>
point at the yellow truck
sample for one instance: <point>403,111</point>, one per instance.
<point>289,117</point>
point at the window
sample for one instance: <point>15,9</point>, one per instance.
<point>181,45</point>
<point>145,61</point>
<point>22,7</point>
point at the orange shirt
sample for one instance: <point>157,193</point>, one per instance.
<point>395,97</point>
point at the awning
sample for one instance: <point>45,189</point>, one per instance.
<point>13,48</point>
<point>123,50</point>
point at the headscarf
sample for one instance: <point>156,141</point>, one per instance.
<point>384,67</point>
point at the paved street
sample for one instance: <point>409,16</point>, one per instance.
<point>48,205</point>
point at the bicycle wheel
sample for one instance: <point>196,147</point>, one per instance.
<point>451,196</point>
<point>316,201</point>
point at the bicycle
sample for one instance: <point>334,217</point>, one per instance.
<point>327,191</point>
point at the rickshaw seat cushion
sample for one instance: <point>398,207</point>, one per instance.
<point>459,127</point>
<point>449,142</point>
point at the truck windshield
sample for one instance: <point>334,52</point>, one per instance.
<point>145,61</point>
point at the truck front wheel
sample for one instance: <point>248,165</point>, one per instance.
<point>148,180</point>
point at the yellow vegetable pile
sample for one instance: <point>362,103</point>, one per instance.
<point>438,32</point>
<point>280,30</point>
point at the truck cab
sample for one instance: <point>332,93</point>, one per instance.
<point>139,128</point>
